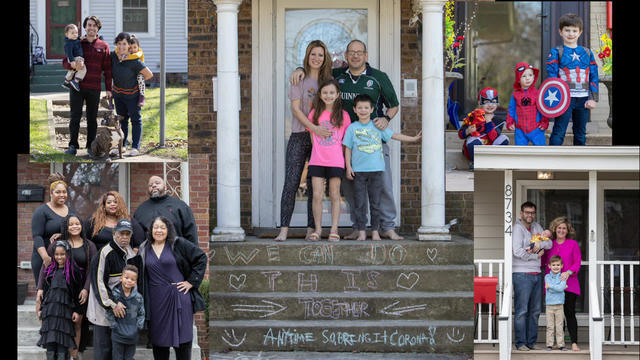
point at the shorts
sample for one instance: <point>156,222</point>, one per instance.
<point>326,172</point>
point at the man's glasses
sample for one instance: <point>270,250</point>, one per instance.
<point>529,212</point>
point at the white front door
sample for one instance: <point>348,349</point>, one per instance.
<point>336,23</point>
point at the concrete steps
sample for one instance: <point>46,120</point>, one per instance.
<point>609,352</point>
<point>28,334</point>
<point>48,78</point>
<point>382,296</point>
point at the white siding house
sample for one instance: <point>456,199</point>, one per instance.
<point>111,15</point>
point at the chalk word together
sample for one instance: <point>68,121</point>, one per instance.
<point>291,337</point>
<point>334,309</point>
<point>316,254</point>
<point>271,308</point>
<point>232,339</point>
<point>378,254</point>
<point>246,258</point>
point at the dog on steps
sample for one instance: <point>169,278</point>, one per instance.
<point>109,135</point>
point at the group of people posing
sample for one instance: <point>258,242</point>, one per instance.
<point>88,59</point>
<point>572,63</point>
<point>121,273</point>
<point>340,123</point>
<point>554,253</point>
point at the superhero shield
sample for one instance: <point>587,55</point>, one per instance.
<point>554,97</point>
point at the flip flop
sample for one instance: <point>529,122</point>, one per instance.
<point>333,237</point>
<point>313,237</point>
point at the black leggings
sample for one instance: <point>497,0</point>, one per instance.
<point>298,151</point>
<point>570,315</point>
<point>183,352</point>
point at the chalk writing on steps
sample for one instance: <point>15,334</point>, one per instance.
<point>237,282</point>
<point>271,278</point>
<point>316,254</point>
<point>307,285</point>
<point>455,336</point>
<point>432,254</point>
<point>371,276</point>
<point>351,281</point>
<point>232,339</point>
<point>378,254</point>
<point>291,337</point>
<point>407,281</point>
<point>334,309</point>
<point>392,309</point>
<point>273,253</point>
<point>240,255</point>
<point>271,308</point>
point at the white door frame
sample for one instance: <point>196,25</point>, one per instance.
<point>267,138</point>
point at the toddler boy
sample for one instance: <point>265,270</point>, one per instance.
<point>364,161</point>
<point>75,56</point>
<point>523,114</point>
<point>577,66</point>
<point>555,303</point>
<point>124,331</point>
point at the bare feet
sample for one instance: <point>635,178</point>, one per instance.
<point>309,232</point>
<point>575,347</point>
<point>354,235</point>
<point>362,235</point>
<point>375,235</point>
<point>283,234</point>
<point>391,234</point>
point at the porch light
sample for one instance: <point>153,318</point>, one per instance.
<point>545,175</point>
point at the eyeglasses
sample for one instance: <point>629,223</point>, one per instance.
<point>359,52</point>
<point>529,212</point>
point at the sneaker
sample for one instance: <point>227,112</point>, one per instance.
<point>564,349</point>
<point>549,348</point>
<point>523,348</point>
<point>141,100</point>
<point>74,84</point>
<point>66,85</point>
<point>90,152</point>
<point>534,347</point>
<point>134,152</point>
<point>71,150</point>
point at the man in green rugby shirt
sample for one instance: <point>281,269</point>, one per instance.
<point>360,78</point>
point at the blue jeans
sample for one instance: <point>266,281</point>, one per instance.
<point>527,302</point>
<point>580,116</point>
<point>127,106</point>
<point>122,351</point>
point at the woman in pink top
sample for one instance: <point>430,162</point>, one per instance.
<point>569,251</point>
<point>327,157</point>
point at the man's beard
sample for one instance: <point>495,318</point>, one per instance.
<point>156,194</point>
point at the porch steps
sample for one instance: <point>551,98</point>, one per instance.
<point>609,352</point>
<point>29,332</point>
<point>47,78</point>
<point>383,296</point>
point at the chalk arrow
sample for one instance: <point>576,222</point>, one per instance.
<point>270,309</point>
<point>390,310</point>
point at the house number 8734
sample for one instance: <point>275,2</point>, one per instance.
<point>508,218</point>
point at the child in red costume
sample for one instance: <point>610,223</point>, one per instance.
<point>523,114</point>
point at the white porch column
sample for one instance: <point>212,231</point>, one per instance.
<point>433,152</point>
<point>228,127</point>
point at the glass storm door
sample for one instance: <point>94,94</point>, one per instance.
<point>336,23</point>
<point>59,14</point>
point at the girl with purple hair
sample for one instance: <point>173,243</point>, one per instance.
<point>59,307</point>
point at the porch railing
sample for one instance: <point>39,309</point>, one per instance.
<point>488,267</point>
<point>505,322</point>
<point>620,323</point>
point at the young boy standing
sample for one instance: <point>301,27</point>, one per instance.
<point>577,66</point>
<point>364,162</point>
<point>523,114</point>
<point>124,331</point>
<point>555,303</point>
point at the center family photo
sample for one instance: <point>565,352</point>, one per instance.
<point>371,179</point>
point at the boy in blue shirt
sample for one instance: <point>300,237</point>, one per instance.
<point>555,302</point>
<point>577,66</point>
<point>364,161</point>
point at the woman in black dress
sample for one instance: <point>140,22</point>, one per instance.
<point>111,209</point>
<point>46,222</point>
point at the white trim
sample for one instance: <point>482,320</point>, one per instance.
<point>151,18</point>
<point>558,158</point>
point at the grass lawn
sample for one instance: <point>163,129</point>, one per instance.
<point>175,127</point>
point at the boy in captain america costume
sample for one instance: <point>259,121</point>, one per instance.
<point>575,65</point>
<point>523,114</point>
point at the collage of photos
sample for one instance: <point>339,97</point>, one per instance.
<point>324,180</point>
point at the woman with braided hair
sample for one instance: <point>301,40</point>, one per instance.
<point>46,222</point>
<point>111,209</point>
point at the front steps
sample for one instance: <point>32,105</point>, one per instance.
<point>609,352</point>
<point>382,296</point>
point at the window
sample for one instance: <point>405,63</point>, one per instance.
<point>135,16</point>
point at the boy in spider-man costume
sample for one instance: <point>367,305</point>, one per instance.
<point>523,114</point>
<point>577,66</point>
<point>478,128</point>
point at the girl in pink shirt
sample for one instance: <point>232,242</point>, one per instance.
<point>327,157</point>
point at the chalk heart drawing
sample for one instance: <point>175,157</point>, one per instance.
<point>432,254</point>
<point>212,253</point>
<point>232,339</point>
<point>237,282</point>
<point>407,281</point>
<point>455,336</point>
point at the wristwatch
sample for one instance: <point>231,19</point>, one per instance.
<point>387,117</point>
